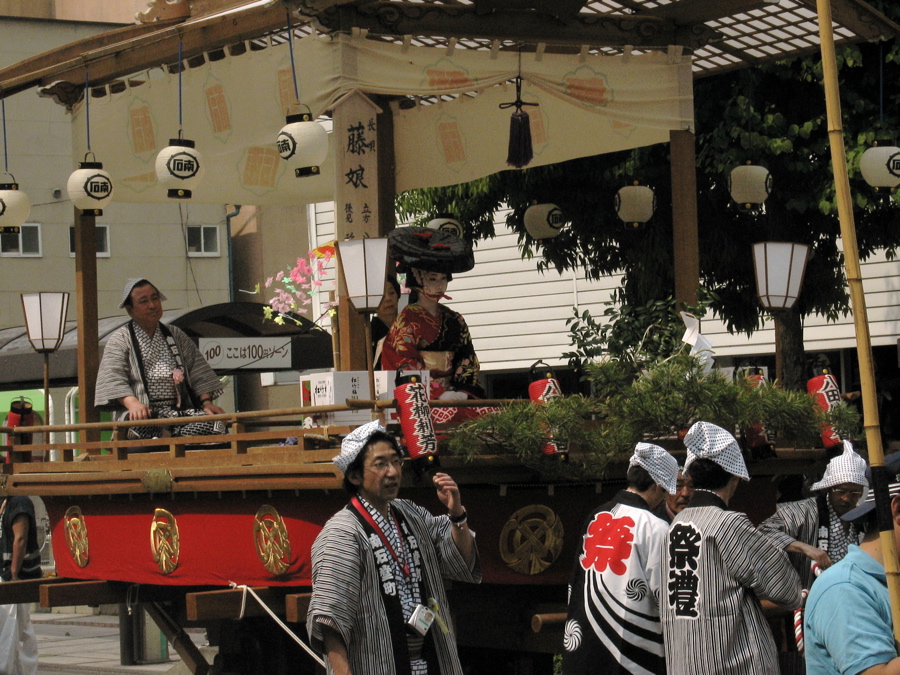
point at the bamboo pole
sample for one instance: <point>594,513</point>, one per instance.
<point>858,305</point>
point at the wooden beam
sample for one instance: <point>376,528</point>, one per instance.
<point>25,591</point>
<point>861,18</point>
<point>686,246</point>
<point>226,604</point>
<point>296,605</point>
<point>87,319</point>
<point>70,593</point>
<point>180,641</point>
<point>408,18</point>
<point>687,12</point>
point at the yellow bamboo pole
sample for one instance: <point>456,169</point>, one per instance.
<point>857,297</point>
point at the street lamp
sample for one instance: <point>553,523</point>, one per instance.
<point>45,321</point>
<point>779,271</point>
<point>363,265</point>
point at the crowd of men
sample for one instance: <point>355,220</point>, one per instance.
<point>667,580</point>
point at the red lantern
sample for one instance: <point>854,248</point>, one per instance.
<point>825,388</point>
<point>541,390</point>
<point>415,421</point>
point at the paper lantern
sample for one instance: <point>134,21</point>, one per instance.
<point>446,222</point>
<point>635,204</point>
<point>880,167</point>
<point>749,185</point>
<point>364,264</point>
<point>543,221</point>
<point>303,144</point>
<point>90,188</point>
<point>179,168</point>
<point>779,271</point>
<point>14,205</point>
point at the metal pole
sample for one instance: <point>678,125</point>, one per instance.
<point>858,305</point>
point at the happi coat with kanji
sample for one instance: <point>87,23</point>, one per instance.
<point>354,585</point>
<point>716,567</point>
<point>613,624</point>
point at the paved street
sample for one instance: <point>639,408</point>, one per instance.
<point>82,643</point>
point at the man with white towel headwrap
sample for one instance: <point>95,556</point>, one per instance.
<point>613,619</point>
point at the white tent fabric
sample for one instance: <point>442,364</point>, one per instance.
<point>234,107</point>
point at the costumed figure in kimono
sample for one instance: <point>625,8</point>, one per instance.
<point>613,618</point>
<point>811,530</point>
<point>717,568</point>
<point>378,567</point>
<point>152,371</point>
<point>427,335</point>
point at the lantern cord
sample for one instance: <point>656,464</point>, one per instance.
<point>291,48</point>
<point>5,149</point>
<point>87,108</point>
<point>880,84</point>
<point>180,68</point>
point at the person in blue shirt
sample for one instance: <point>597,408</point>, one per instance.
<point>847,625</point>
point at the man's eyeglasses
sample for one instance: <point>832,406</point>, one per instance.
<point>841,492</point>
<point>381,466</point>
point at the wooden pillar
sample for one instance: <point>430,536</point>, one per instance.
<point>686,244</point>
<point>358,208</point>
<point>86,308</point>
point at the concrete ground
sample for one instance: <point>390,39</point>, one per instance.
<point>82,643</point>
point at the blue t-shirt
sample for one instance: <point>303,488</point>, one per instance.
<point>848,627</point>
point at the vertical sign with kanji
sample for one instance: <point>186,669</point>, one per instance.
<point>356,190</point>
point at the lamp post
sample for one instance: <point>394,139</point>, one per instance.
<point>363,265</point>
<point>779,268</point>
<point>45,321</point>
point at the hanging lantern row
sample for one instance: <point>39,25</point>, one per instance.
<point>303,144</point>
<point>749,186</point>
<point>635,204</point>
<point>90,188</point>
<point>544,221</point>
<point>14,204</point>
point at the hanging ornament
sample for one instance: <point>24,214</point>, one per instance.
<point>90,188</point>
<point>179,168</point>
<point>749,186</point>
<point>14,204</point>
<point>543,221</point>
<point>635,204</point>
<point>521,151</point>
<point>303,144</point>
<point>880,167</point>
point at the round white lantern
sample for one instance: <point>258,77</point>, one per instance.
<point>749,185</point>
<point>14,205</point>
<point>635,204</point>
<point>880,167</point>
<point>544,221</point>
<point>303,144</point>
<point>90,188</point>
<point>447,223</point>
<point>179,168</point>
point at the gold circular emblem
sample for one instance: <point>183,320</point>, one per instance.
<point>76,536</point>
<point>531,539</point>
<point>273,544</point>
<point>164,541</point>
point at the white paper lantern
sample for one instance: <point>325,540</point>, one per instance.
<point>14,205</point>
<point>543,221</point>
<point>779,271</point>
<point>749,185</point>
<point>179,168</point>
<point>880,167</point>
<point>90,188</point>
<point>635,204</point>
<point>303,144</point>
<point>447,223</point>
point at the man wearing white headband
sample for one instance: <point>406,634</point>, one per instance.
<point>613,618</point>
<point>811,530</point>
<point>378,602</point>
<point>716,569</point>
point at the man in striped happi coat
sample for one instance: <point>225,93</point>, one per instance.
<point>811,530</point>
<point>613,620</point>
<point>716,569</point>
<point>378,603</point>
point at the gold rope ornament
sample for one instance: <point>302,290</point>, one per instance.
<point>77,536</point>
<point>531,539</point>
<point>164,541</point>
<point>273,545</point>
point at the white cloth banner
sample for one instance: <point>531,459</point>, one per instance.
<point>234,107</point>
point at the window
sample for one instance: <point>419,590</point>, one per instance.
<point>203,241</point>
<point>26,243</point>
<point>102,241</point>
